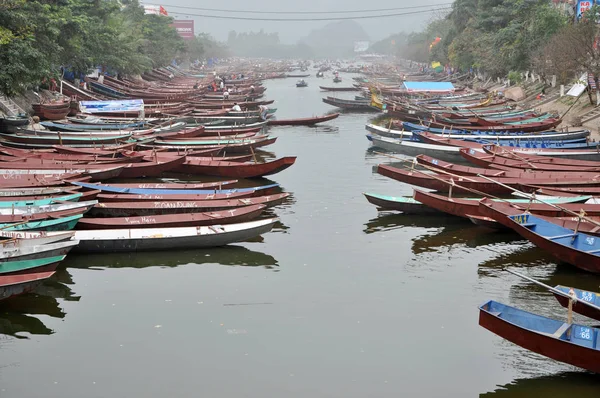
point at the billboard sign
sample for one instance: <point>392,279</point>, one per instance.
<point>156,10</point>
<point>185,28</point>
<point>583,6</point>
<point>136,105</point>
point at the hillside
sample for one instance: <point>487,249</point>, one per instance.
<point>335,39</point>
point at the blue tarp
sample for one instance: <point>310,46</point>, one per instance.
<point>429,86</point>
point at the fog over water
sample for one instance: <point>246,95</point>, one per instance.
<point>291,32</point>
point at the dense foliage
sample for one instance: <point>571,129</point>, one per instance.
<point>39,37</point>
<point>496,36</point>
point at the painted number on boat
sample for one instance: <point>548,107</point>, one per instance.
<point>589,240</point>
<point>522,219</point>
<point>584,333</point>
<point>471,152</point>
<point>434,161</point>
<point>587,296</point>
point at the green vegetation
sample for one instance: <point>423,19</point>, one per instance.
<point>38,37</point>
<point>495,36</point>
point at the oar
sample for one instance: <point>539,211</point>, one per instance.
<point>558,292</point>
<point>451,183</point>
<point>578,215</point>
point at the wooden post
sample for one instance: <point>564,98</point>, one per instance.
<point>570,313</point>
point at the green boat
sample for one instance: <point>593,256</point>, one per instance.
<point>409,205</point>
<point>41,202</point>
<point>24,266</point>
<point>57,224</point>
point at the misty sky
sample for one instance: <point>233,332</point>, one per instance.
<point>290,32</point>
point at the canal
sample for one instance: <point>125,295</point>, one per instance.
<point>337,301</point>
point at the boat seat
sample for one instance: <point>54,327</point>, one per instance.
<point>495,313</point>
<point>561,330</point>
<point>593,251</point>
<point>529,224</point>
<point>561,236</point>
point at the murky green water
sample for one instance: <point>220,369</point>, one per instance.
<point>338,301</point>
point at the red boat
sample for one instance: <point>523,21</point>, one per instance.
<point>100,150</point>
<point>549,164</point>
<point>235,169</point>
<point>491,212</point>
<point>12,285</point>
<point>35,180</point>
<point>110,197</point>
<point>231,216</point>
<point>443,167</point>
<point>52,111</point>
<point>309,121</point>
<point>152,169</point>
<point>565,342</point>
<point>149,208</point>
<point>442,183</point>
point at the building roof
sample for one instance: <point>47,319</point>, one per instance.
<point>429,86</point>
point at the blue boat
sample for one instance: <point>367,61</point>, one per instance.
<point>576,143</point>
<point>419,127</point>
<point>576,248</point>
<point>574,344</point>
<point>55,126</point>
<point>144,191</point>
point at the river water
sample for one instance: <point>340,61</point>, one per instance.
<point>337,301</point>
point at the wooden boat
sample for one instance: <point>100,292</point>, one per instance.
<point>352,105</point>
<point>47,211</point>
<point>126,208</point>
<point>236,169</point>
<point>242,147</point>
<point>339,88</point>
<point>56,126</point>
<point>12,124</point>
<point>464,138</point>
<point>413,148</point>
<point>183,198</point>
<point>28,252</point>
<point>13,285</point>
<point>569,343</point>
<point>35,180</point>
<point>22,201</point>
<point>173,186</point>
<point>55,224</point>
<point>20,138</point>
<point>36,238</point>
<point>19,267</point>
<point>232,216</point>
<point>52,111</point>
<point>298,75</point>
<point>309,121</point>
<point>441,204</point>
<point>19,193</point>
<point>442,183</point>
<point>442,167</point>
<point>482,159</point>
<point>406,205</point>
<point>575,248</point>
<point>178,192</point>
<point>101,150</point>
<point>301,83</point>
<point>154,239</point>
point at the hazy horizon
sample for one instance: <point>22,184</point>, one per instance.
<point>291,32</point>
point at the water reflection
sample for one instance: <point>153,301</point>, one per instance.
<point>229,255</point>
<point>563,384</point>
<point>17,314</point>
<point>386,221</point>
